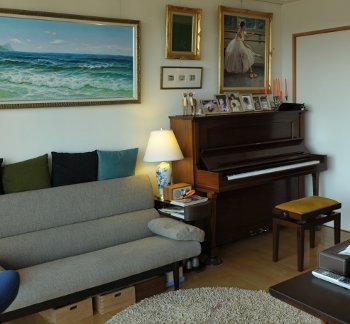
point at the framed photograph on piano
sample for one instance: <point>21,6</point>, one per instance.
<point>234,102</point>
<point>247,102</point>
<point>244,50</point>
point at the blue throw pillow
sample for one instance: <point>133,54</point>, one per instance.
<point>116,164</point>
<point>9,284</point>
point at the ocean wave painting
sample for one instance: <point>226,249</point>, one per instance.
<point>53,61</point>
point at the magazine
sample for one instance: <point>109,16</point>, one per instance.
<point>191,200</point>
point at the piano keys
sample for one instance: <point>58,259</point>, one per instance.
<point>246,163</point>
<point>271,170</point>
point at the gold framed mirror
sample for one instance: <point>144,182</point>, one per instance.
<point>183,31</point>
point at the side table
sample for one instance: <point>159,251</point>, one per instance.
<point>197,214</point>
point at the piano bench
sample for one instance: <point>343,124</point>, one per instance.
<point>303,214</point>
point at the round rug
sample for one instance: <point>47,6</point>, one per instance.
<point>212,305</point>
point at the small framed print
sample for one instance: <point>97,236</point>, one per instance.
<point>256,102</point>
<point>180,77</point>
<point>234,102</point>
<point>247,102</point>
<point>264,102</point>
<point>209,106</point>
<point>222,103</point>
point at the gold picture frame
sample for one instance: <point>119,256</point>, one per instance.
<point>183,33</point>
<point>80,67</point>
<point>240,29</point>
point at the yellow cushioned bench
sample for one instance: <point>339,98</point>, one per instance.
<point>302,214</point>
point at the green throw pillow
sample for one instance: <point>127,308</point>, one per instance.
<point>26,175</point>
<point>116,164</point>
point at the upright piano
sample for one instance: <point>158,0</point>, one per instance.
<point>246,163</point>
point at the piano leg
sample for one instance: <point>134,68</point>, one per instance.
<point>213,258</point>
<point>316,183</point>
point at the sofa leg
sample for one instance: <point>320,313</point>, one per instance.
<point>176,275</point>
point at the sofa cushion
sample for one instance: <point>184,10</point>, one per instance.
<point>116,164</point>
<point>44,281</point>
<point>71,168</point>
<point>37,247</point>
<point>65,205</point>
<point>1,189</point>
<point>26,175</point>
<point>176,230</point>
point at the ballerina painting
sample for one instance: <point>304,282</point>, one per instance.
<point>239,56</point>
<point>245,50</point>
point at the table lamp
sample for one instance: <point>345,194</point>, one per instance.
<point>163,147</point>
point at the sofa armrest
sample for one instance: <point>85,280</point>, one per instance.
<point>176,230</point>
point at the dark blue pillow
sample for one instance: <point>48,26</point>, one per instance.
<point>116,164</point>
<point>1,188</point>
<point>9,284</point>
<point>71,168</point>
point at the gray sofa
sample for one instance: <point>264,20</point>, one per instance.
<point>75,241</point>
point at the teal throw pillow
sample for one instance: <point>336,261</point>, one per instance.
<point>116,164</point>
<point>26,175</point>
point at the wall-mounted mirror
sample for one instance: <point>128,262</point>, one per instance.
<point>183,29</point>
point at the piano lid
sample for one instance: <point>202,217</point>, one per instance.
<point>252,155</point>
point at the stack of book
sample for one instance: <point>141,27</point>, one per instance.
<point>175,211</point>
<point>188,201</point>
<point>334,265</point>
<point>176,207</point>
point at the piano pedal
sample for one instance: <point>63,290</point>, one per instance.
<point>258,231</point>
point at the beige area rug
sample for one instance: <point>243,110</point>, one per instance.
<point>212,305</point>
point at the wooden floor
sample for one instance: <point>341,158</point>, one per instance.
<point>246,264</point>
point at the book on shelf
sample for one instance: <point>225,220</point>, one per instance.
<point>175,211</point>
<point>188,201</point>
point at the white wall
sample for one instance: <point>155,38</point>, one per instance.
<point>323,84</point>
<point>27,133</point>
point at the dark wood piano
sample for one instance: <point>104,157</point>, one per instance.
<point>246,163</point>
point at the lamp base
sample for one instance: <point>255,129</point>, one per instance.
<point>163,175</point>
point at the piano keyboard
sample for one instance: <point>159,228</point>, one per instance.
<point>271,170</point>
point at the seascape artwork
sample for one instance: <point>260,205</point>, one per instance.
<point>45,60</point>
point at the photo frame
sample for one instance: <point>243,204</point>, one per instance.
<point>172,77</point>
<point>244,33</point>
<point>234,102</point>
<point>53,60</point>
<point>222,103</point>
<point>183,33</point>
<point>209,106</point>
<point>264,102</point>
<point>256,102</point>
<point>247,102</point>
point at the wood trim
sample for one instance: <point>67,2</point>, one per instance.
<point>294,50</point>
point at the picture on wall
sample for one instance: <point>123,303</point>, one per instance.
<point>183,33</point>
<point>49,60</point>
<point>244,50</point>
<point>176,77</point>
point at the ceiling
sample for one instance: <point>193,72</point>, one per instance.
<point>278,1</point>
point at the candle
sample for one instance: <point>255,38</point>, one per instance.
<point>279,88</point>
<point>285,88</point>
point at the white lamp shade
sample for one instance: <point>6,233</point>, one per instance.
<point>162,146</point>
